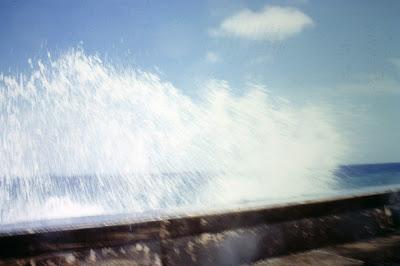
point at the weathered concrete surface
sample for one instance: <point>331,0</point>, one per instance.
<point>376,251</point>
<point>231,238</point>
<point>141,253</point>
<point>242,245</point>
<point>311,258</point>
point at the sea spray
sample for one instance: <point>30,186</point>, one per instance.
<point>80,136</point>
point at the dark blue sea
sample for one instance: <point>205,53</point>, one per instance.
<point>358,176</point>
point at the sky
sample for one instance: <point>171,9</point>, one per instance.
<point>340,53</point>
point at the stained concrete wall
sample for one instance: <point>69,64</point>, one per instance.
<point>227,238</point>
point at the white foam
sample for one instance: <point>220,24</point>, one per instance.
<point>77,115</point>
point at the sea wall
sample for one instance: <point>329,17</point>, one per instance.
<point>233,237</point>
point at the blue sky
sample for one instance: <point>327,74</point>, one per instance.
<point>344,53</point>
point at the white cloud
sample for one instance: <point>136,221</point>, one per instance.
<point>273,23</point>
<point>212,57</point>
